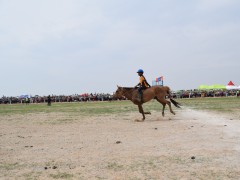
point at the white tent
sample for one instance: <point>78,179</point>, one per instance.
<point>231,86</point>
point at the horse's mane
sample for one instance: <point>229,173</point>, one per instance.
<point>128,88</point>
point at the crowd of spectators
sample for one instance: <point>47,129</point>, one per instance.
<point>208,93</point>
<point>109,97</point>
<point>57,98</point>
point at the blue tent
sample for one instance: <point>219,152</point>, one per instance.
<point>24,96</point>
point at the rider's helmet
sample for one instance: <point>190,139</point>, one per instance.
<point>140,71</point>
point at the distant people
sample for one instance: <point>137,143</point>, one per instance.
<point>143,84</point>
<point>49,100</point>
<point>27,100</point>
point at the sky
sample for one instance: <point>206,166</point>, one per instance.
<point>66,47</point>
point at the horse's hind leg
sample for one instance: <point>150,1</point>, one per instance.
<point>163,104</point>
<point>169,104</point>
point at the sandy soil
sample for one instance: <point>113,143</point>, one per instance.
<point>189,145</point>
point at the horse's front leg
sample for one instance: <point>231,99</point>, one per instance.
<point>140,108</point>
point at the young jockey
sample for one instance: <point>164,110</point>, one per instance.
<point>143,84</point>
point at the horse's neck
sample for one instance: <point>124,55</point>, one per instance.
<point>128,94</point>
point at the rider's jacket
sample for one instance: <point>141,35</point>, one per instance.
<point>143,82</point>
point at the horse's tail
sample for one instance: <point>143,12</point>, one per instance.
<point>175,103</point>
<point>178,105</point>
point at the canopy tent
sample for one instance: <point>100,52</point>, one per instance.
<point>24,96</point>
<point>231,86</point>
<point>230,83</point>
<point>211,87</point>
<point>203,87</point>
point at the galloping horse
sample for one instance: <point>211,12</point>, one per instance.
<point>156,92</point>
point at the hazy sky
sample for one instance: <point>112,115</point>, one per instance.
<point>78,46</point>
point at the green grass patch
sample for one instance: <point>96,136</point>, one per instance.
<point>88,108</point>
<point>10,166</point>
<point>226,104</point>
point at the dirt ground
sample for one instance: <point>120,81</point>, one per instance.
<point>189,145</point>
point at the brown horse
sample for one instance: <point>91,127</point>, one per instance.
<point>156,92</point>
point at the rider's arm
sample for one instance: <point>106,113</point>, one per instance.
<point>148,84</point>
<point>137,85</point>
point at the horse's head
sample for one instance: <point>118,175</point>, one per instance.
<point>118,93</point>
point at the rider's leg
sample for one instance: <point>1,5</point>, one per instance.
<point>140,94</point>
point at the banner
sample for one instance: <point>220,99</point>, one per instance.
<point>158,79</point>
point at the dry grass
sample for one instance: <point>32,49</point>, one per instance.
<point>79,141</point>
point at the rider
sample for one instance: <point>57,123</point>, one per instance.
<point>143,84</point>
